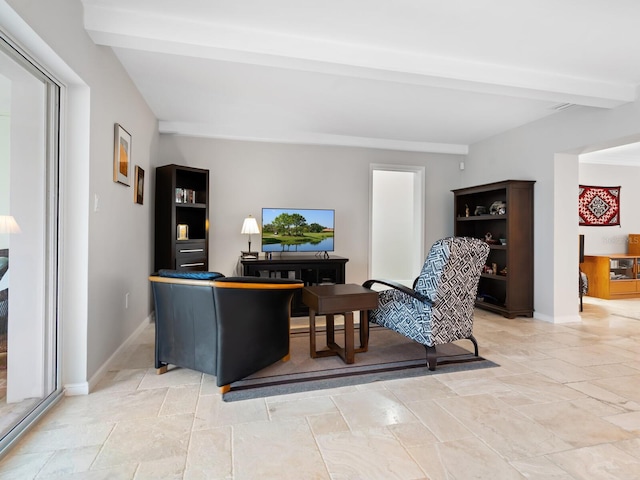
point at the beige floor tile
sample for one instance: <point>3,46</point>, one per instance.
<point>370,409</point>
<point>503,428</point>
<point>599,462</point>
<point>326,423</point>
<point>540,468</point>
<point>471,458</point>
<point>561,371</point>
<point>210,454</point>
<point>67,462</point>
<point>367,454</point>
<point>22,466</point>
<point>283,449</point>
<point>183,399</point>
<point>171,468</point>
<point>419,388</point>
<point>213,412</point>
<point>300,408</point>
<point>145,440</point>
<point>578,427</point>
<point>539,388</point>
<point>65,437</point>
<point>443,425</point>
<point>175,377</point>
<point>629,421</point>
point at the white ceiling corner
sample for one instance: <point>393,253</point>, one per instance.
<point>405,75</point>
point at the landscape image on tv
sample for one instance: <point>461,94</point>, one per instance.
<point>297,230</point>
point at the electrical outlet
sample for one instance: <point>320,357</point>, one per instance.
<point>96,202</point>
<point>126,300</point>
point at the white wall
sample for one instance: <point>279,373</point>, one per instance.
<point>529,153</point>
<point>604,240</point>
<point>246,176</point>
<point>106,252</point>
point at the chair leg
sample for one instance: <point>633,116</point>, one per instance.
<point>432,358</point>
<point>287,357</point>
<point>161,370</point>
<point>224,389</point>
<point>475,345</point>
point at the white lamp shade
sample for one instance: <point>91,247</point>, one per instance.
<point>8,224</point>
<point>250,225</point>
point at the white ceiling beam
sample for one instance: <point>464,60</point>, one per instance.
<point>306,138</point>
<point>170,35</point>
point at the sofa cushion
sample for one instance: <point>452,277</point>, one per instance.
<point>189,275</point>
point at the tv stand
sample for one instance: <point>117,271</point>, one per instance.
<point>311,269</point>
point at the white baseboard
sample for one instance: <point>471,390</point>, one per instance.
<point>559,320</point>
<point>85,388</point>
<point>73,389</point>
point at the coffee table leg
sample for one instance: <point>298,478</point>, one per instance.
<point>331,330</point>
<point>312,332</point>
<point>364,330</point>
<point>349,354</point>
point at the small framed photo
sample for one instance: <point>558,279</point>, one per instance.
<point>121,156</point>
<point>138,186</point>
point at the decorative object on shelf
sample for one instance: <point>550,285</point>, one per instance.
<point>466,210</point>
<point>503,272</point>
<point>498,208</point>
<point>503,241</point>
<point>121,155</point>
<point>183,231</point>
<point>488,237</point>
<point>480,210</point>
<point>250,227</point>
<point>138,186</point>
<point>598,206</point>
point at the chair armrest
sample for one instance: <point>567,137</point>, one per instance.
<point>398,286</point>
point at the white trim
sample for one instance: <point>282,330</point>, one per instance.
<point>558,320</point>
<point>307,138</point>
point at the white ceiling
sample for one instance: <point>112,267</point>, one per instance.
<point>420,75</point>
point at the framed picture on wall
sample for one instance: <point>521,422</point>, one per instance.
<point>121,155</point>
<point>138,186</point>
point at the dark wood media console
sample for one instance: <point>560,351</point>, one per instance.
<point>310,269</point>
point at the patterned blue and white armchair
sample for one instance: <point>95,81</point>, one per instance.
<point>439,308</point>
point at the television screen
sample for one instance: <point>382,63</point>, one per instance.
<point>297,230</point>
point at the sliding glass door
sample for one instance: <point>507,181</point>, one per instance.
<point>29,217</point>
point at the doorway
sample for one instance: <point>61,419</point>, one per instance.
<point>396,208</point>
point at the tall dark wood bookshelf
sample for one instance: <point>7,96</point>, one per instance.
<point>509,294</point>
<point>182,198</point>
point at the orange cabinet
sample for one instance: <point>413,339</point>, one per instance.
<point>612,276</point>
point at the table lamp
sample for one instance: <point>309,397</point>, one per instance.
<point>8,224</point>
<point>249,227</point>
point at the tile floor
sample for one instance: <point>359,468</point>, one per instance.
<point>564,404</point>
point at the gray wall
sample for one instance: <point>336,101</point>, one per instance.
<point>106,252</point>
<point>246,176</point>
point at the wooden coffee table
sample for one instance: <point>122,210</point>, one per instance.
<point>328,300</point>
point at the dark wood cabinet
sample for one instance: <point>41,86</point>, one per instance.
<point>508,291</point>
<point>182,218</point>
<point>311,270</point>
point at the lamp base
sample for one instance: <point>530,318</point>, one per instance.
<point>249,255</point>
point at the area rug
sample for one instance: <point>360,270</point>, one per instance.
<point>390,356</point>
<point>598,206</point>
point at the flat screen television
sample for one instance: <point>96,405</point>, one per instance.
<point>297,230</point>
